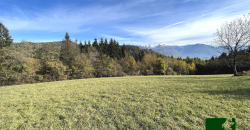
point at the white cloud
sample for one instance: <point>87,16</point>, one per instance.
<point>141,21</point>
<point>191,31</point>
<point>61,18</point>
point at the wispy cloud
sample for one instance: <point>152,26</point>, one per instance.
<point>196,17</point>
<point>131,22</point>
<point>61,18</point>
<point>199,29</point>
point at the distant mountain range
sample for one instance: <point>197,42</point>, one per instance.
<point>196,50</point>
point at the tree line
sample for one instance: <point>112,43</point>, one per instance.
<point>28,62</point>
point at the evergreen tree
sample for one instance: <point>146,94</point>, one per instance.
<point>68,51</point>
<point>67,36</point>
<point>88,46</point>
<point>136,57</point>
<point>124,49</point>
<point>95,44</point>
<point>101,45</point>
<point>118,49</point>
<point>5,38</point>
<point>81,47</point>
<point>105,47</point>
<point>85,46</point>
<point>141,54</point>
<point>115,49</point>
<point>111,48</point>
<point>89,43</point>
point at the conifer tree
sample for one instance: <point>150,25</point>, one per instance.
<point>111,48</point>
<point>105,47</point>
<point>68,51</point>
<point>136,56</point>
<point>81,46</point>
<point>85,47</point>
<point>5,38</point>
<point>88,46</point>
<point>95,44</point>
<point>118,50</point>
<point>101,45</point>
<point>89,43</point>
<point>67,36</point>
<point>124,49</point>
<point>114,49</point>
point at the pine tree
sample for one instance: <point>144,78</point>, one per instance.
<point>105,47</point>
<point>67,36</point>
<point>5,38</point>
<point>212,58</point>
<point>136,56</point>
<point>85,47</point>
<point>119,52</point>
<point>115,49</point>
<point>88,46</point>
<point>124,49</point>
<point>68,51</point>
<point>111,48</point>
<point>81,46</point>
<point>95,44</point>
<point>101,46</point>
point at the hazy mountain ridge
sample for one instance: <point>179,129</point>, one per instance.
<point>196,50</point>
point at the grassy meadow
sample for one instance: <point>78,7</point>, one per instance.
<point>134,102</point>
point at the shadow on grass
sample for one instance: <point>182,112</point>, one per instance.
<point>239,94</point>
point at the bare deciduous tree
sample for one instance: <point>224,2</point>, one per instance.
<point>233,37</point>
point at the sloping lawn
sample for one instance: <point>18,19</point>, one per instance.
<point>136,102</point>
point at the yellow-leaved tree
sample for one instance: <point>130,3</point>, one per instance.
<point>128,64</point>
<point>148,64</point>
<point>161,66</point>
<point>192,69</point>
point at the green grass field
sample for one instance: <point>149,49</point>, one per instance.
<point>135,102</point>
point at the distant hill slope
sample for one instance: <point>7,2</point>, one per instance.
<point>197,50</point>
<point>138,52</point>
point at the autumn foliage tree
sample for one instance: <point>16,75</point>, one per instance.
<point>160,66</point>
<point>51,68</point>
<point>82,67</point>
<point>192,69</point>
<point>128,64</point>
<point>148,64</point>
<point>105,67</point>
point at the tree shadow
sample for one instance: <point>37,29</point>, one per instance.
<point>239,94</point>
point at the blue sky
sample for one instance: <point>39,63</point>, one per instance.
<point>134,22</point>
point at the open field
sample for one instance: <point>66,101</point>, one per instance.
<point>135,102</point>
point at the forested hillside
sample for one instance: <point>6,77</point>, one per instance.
<point>28,62</point>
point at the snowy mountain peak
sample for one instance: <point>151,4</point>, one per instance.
<point>191,50</point>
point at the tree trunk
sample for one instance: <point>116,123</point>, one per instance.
<point>234,67</point>
<point>235,70</point>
